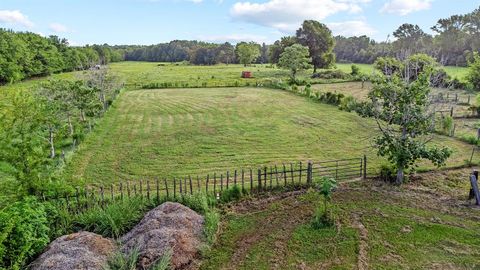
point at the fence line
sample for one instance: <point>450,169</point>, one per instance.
<point>263,179</point>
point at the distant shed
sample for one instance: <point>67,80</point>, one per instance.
<point>247,74</point>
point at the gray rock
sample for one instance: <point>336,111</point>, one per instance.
<point>169,227</point>
<point>82,250</point>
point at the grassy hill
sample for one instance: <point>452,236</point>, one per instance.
<point>177,132</point>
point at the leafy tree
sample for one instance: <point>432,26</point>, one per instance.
<point>325,186</point>
<point>247,52</point>
<point>277,48</point>
<point>320,42</point>
<point>474,72</point>
<point>400,108</point>
<point>389,66</point>
<point>22,133</point>
<point>295,58</point>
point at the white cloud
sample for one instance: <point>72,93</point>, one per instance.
<point>404,7</point>
<point>58,28</point>
<point>235,38</point>
<point>287,15</point>
<point>351,28</point>
<point>15,17</point>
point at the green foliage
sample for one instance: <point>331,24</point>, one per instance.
<point>322,219</point>
<point>388,173</point>
<point>389,65</point>
<point>331,74</point>
<point>320,42</point>
<point>474,72</point>
<point>232,194</point>
<point>26,54</point>
<point>348,104</point>
<point>325,186</point>
<point>120,261</point>
<point>23,233</point>
<point>247,52</point>
<point>295,58</point>
<point>212,220</point>
<point>198,202</point>
<point>113,220</point>
<point>447,125</point>
<point>355,70</point>
<point>401,111</point>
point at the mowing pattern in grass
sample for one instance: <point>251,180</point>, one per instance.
<point>177,132</point>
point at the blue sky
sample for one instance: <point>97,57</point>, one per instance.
<point>154,21</point>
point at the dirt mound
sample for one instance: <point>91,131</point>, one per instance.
<point>82,250</point>
<point>169,227</point>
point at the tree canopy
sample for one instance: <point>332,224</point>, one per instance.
<point>295,58</point>
<point>320,42</point>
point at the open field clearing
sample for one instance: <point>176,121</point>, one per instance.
<point>177,132</point>
<point>136,74</point>
<point>423,225</point>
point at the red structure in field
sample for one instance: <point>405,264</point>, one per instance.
<point>247,74</point>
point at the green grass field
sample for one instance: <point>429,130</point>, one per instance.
<point>178,132</point>
<point>136,74</point>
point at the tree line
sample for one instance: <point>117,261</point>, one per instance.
<point>455,40</point>
<point>25,55</point>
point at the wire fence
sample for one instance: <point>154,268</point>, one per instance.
<point>260,180</point>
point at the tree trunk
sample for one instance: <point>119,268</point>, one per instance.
<point>400,176</point>
<point>314,69</point>
<point>70,125</point>
<point>52,145</point>
<point>82,115</point>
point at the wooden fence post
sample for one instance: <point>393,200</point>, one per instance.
<point>364,166</point>
<point>228,178</point>
<point>309,172</point>
<point>265,178</point>
<point>291,173</point>
<point>284,174</point>
<point>148,189</point>
<point>206,184</point>
<point>243,180</point>
<point>251,180</point>
<point>174,188</point>
<point>166,187</point>
<point>235,178</point>
<point>191,186</point>
<point>259,180</point>
<point>300,176</point>
<point>476,192</point>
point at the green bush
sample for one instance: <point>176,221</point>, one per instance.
<point>231,194</point>
<point>355,70</point>
<point>23,233</point>
<point>322,219</point>
<point>212,219</point>
<point>348,104</point>
<point>113,220</point>
<point>447,125</point>
<point>331,74</point>
<point>388,173</point>
<point>198,202</point>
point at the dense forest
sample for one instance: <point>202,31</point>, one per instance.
<point>25,55</point>
<point>455,40</point>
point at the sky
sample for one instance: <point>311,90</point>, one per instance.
<point>147,22</point>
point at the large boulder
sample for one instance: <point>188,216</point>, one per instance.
<point>82,250</point>
<point>171,227</point>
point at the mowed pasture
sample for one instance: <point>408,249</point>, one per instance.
<point>170,133</point>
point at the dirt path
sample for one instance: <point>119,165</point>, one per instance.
<point>278,224</point>
<point>362,262</point>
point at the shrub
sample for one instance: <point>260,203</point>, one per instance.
<point>113,220</point>
<point>212,219</point>
<point>388,173</point>
<point>331,74</point>
<point>23,233</point>
<point>325,186</point>
<point>231,194</point>
<point>321,220</point>
<point>447,125</point>
<point>348,104</point>
<point>355,70</point>
<point>471,139</point>
<point>198,202</point>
